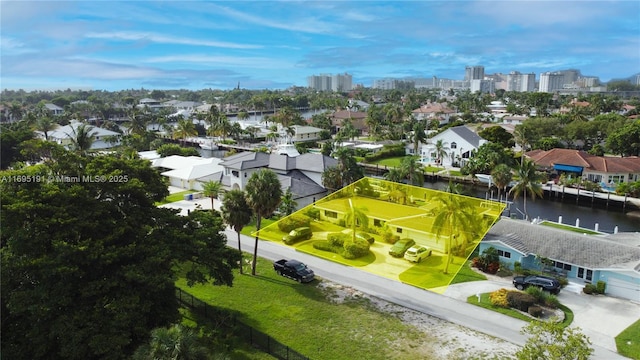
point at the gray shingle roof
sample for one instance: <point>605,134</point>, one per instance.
<point>591,251</point>
<point>467,134</point>
<point>246,160</point>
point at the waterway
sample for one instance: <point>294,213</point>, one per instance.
<point>571,214</point>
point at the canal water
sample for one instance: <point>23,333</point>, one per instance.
<point>584,215</point>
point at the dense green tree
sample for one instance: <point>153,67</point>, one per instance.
<point>332,178</point>
<point>488,156</point>
<point>626,140</point>
<point>528,180</point>
<point>418,136</point>
<point>184,129</point>
<point>236,213</point>
<point>11,137</point>
<point>263,196</point>
<point>89,261</point>
<point>498,135</point>
<point>548,340</point>
<point>350,170</point>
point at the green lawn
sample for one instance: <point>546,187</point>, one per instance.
<point>303,317</point>
<point>174,197</point>
<point>485,302</point>
<point>390,162</point>
<point>628,341</point>
<point>568,228</point>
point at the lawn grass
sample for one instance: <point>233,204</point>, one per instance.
<point>174,197</point>
<point>466,274</point>
<point>303,317</point>
<point>485,302</point>
<point>389,162</point>
<point>628,341</point>
<point>250,228</point>
<point>569,228</point>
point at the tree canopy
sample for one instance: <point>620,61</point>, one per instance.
<point>89,261</point>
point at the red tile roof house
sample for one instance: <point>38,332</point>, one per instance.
<point>606,170</point>
<point>432,111</point>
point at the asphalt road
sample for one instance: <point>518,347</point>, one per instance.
<point>440,306</point>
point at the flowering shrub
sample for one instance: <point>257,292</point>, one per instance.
<point>499,298</point>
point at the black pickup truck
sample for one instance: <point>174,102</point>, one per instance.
<point>293,269</point>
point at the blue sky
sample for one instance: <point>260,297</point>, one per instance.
<point>109,45</point>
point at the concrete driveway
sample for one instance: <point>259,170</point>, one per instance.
<point>600,317</point>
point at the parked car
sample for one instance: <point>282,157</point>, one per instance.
<point>417,253</point>
<point>301,233</point>
<point>398,249</point>
<point>545,283</point>
<point>293,269</point>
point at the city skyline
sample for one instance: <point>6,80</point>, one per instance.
<point>274,45</point>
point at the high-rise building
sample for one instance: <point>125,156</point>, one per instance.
<point>521,82</point>
<point>341,82</point>
<point>473,73</point>
<point>551,81</point>
<point>328,82</point>
<point>484,86</point>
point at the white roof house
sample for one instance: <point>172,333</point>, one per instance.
<point>189,172</point>
<point>102,138</point>
<point>459,141</point>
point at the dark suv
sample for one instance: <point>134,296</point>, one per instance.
<point>301,233</point>
<point>545,283</point>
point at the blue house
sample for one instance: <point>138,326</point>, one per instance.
<point>582,259</point>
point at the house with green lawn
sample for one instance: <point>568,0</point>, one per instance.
<point>581,258</point>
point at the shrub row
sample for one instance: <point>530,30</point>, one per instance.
<point>387,151</point>
<point>528,301</point>
<point>344,245</point>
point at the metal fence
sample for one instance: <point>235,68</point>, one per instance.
<point>225,319</point>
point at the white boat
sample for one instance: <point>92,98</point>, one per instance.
<point>286,149</point>
<point>485,179</point>
<point>208,144</point>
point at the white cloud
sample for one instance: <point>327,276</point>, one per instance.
<point>164,39</point>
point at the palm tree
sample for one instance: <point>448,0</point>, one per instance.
<point>441,150</point>
<point>45,124</point>
<point>15,111</point>
<point>456,217</point>
<point>137,121</point>
<point>395,174</point>
<point>356,216</point>
<point>184,129</point>
<point>212,189</point>
<point>332,178</point>
<point>501,177</point>
<point>82,137</point>
<point>522,138</point>
<point>263,196</point>
<point>418,136</point>
<point>236,213</point>
<point>528,181</point>
<point>175,343</point>
<point>287,204</point>
<point>411,170</point>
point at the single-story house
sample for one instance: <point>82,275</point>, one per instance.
<point>606,170</point>
<point>301,174</point>
<point>582,259</point>
<point>305,133</point>
<point>189,172</point>
<point>63,135</point>
<point>54,109</point>
<point>460,143</point>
